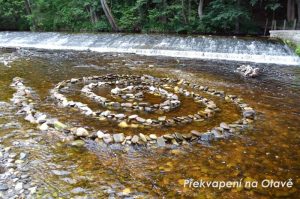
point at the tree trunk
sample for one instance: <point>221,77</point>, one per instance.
<point>237,23</point>
<point>29,12</point>
<point>200,8</point>
<point>298,9</point>
<point>183,12</point>
<point>109,16</point>
<point>290,10</point>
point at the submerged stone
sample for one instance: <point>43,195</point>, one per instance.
<point>78,143</point>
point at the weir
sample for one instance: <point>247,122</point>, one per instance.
<point>196,47</point>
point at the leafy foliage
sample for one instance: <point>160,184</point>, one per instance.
<point>178,16</point>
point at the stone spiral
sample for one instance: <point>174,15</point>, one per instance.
<point>132,88</point>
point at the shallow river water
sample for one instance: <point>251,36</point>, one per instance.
<point>268,149</point>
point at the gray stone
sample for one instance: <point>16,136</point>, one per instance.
<point>168,137</point>
<point>23,156</point>
<point>107,138</point>
<point>196,133</point>
<point>44,127</point>
<point>118,137</point>
<point>141,120</point>
<point>178,136</point>
<point>82,132</point>
<point>3,187</point>
<point>249,114</point>
<point>207,136</point>
<point>78,143</point>
<point>100,134</point>
<point>224,126</point>
<point>135,139</point>
<point>161,142</point>
<point>19,186</point>
<point>61,172</point>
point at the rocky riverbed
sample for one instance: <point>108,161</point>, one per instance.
<point>51,148</point>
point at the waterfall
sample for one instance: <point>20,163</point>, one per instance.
<point>197,47</point>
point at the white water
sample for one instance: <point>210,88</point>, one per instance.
<point>219,48</point>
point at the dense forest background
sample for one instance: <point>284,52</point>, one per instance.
<point>163,16</point>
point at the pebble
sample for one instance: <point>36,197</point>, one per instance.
<point>224,126</point>
<point>23,155</point>
<point>196,133</point>
<point>143,137</point>
<point>153,136</point>
<point>3,187</point>
<point>123,124</point>
<point>135,139</point>
<point>118,137</point>
<point>107,138</point>
<point>43,127</point>
<point>82,132</point>
<point>78,143</point>
<point>61,172</point>
<point>100,134</point>
<point>161,142</point>
<point>19,186</point>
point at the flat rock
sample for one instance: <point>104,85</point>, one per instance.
<point>82,132</point>
<point>78,143</point>
<point>59,126</point>
<point>61,172</point>
<point>196,133</point>
<point>223,125</point>
<point>143,137</point>
<point>118,137</point>
<point>107,138</point>
<point>135,139</point>
<point>3,187</point>
<point>100,134</point>
<point>161,142</point>
<point>153,136</point>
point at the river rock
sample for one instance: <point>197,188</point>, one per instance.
<point>131,117</point>
<point>223,125</point>
<point>135,139</point>
<point>30,119</point>
<point>82,132</point>
<point>196,133</point>
<point>107,138</point>
<point>143,137</point>
<point>249,114</point>
<point>123,124</point>
<point>23,155</point>
<point>207,136</point>
<point>100,134</point>
<point>141,120</point>
<point>43,127</point>
<point>59,126</point>
<point>61,172</point>
<point>118,137</point>
<point>78,143</point>
<point>19,186</point>
<point>153,136</point>
<point>161,142</point>
<point>3,187</point>
<point>162,118</point>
